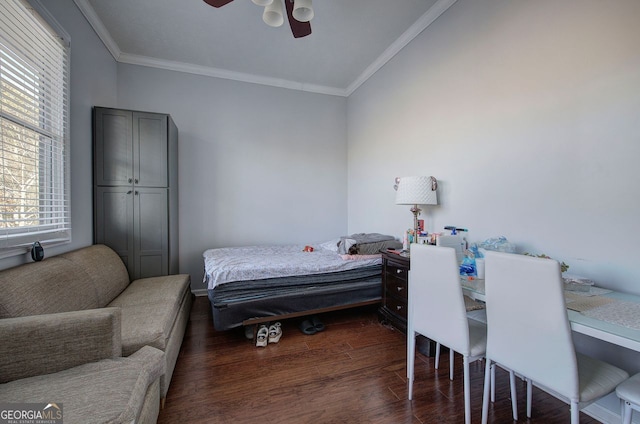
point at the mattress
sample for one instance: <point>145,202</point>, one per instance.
<point>250,263</point>
<point>269,281</point>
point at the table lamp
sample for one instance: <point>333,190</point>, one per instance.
<point>416,191</point>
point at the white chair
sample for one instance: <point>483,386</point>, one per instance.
<point>629,394</point>
<point>437,311</point>
<point>529,333</point>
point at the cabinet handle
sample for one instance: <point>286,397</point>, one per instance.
<point>398,307</point>
<point>399,288</point>
<point>136,193</point>
<point>129,192</point>
<point>130,180</point>
<point>136,181</point>
<point>398,271</point>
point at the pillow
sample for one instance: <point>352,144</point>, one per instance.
<point>331,245</point>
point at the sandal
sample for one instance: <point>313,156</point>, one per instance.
<point>319,326</point>
<point>307,327</point>
<point>275,332</point>
<point>261,337</point>
<point>248,331</point>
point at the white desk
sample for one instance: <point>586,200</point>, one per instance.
<point>612,333</point>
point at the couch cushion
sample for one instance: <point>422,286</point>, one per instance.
<point>108,391</point>
<point>44,344</point>
<point>53,285</point>
<point>149,309</point>
<point>105,268</point>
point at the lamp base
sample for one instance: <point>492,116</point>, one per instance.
<point>416,229</point>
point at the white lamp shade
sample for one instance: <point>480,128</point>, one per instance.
<point>302,10</point>
<point>274,14</point>
<point>416,191</point>
<point>262,2</point>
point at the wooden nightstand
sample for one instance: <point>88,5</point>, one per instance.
<point>395,279</point>
<point>395,283</point>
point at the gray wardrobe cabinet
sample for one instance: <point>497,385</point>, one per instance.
<point>135,183</point>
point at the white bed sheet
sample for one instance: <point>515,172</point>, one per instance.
<point>225,265</point>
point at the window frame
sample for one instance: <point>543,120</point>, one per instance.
<point>53,146</point>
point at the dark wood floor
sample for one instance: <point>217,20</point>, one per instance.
<point>353,372</point>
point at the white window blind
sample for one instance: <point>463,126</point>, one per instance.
<point>34,183</point>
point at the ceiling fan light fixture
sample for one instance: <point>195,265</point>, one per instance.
<point>262,2</point>
<point>302,10</point>
<point>274,14</point>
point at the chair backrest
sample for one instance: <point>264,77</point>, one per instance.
<point>528,329</point>
<point>436,305</point>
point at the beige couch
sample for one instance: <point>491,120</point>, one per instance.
<point>75,330</point>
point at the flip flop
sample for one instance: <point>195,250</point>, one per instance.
<point>308,328</point>
<point>248,331</point>
<point>318,325</point>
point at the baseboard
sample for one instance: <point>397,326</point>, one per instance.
<point>200,292</point>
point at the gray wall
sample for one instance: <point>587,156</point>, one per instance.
<point>524,111</point>
<point>527,113</point>
<point>257,164</point>
<point>93,81</point>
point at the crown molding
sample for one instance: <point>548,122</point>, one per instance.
<point>420,25</point>
<point>226,74</point>
<point>414,30</point>
<point>102,32</point>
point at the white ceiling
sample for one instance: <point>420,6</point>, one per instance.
<point>350,40</point>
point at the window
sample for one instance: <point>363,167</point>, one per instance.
<point>34,94</point>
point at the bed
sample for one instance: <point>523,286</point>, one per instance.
<point>254,284</point>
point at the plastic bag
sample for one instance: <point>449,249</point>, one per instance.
<point>498,244</point>
<point>468,266</point>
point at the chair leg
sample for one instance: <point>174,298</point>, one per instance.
<point>409,348</point>
<point>485,397</point>
<point>411,356</point>
<point>529,396</point>
<point>493,383</point>
<point>575,413</point>
<point>450,364</point>
<point>467,391</point>
<point>437,354</point>
<point>514,395</point>
<point>627,412</point>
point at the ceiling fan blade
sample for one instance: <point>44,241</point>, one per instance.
<point>217,3</point>
<point>299,29</point>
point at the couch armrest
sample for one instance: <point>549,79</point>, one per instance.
<point>44,344</point>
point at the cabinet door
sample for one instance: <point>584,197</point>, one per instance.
<point>151,242</point>
<point>113,147</point>
<point>150,149</point>
<point>114,221</point>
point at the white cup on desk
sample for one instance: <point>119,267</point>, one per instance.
<point>480,267</point>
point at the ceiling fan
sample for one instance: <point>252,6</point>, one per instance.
<point>299,13</point>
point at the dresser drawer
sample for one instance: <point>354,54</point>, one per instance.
<point>396,271</point>
<point>397,307</point>
<point>396,287</point>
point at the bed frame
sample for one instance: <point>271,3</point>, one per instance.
<point>253,321</point>
<point>302,301</point>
